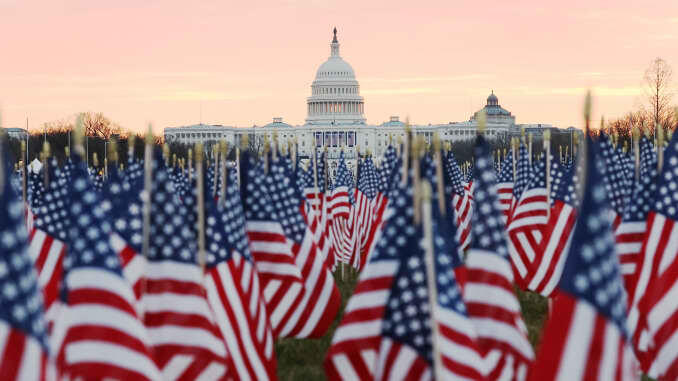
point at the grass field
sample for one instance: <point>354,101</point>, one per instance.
<point>302,359</point>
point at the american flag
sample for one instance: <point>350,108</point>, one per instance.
<point>98,333</point>
<point>630,233</point>
<point>545,271</point>
<point>282,284</point>
<point>469,174</point>
<point>528,220</point>
<point>23,337</point>
<point>615,182</point>
<point>406,340</point>
<point>492,305</point>
<point>234,289</point>
<point>460,354</point>
<point>449,224</point>
<point>523,176</point>
<point>368,210</point>
<point>356,342</point>
<point>316,211</point>
<point>316,199</point>
<point>388,170</point>
<point>654,307</point>
<point>505,187</point>
<point>321,299</point>
<point>462,200</point>
<point>47,246</point>
<point>185,340</point>
<point>340,203</point>
<point>124,202</point>
<point>586,337</point>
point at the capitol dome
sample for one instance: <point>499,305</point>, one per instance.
<point>335,93</point>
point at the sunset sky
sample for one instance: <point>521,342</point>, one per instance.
<point>244,62</point>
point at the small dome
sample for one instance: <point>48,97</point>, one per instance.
<point>492,100</point>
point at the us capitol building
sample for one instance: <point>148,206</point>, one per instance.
<point>336,119</point>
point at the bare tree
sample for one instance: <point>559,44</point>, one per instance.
<point>96,124</point>
<point>659,93</point>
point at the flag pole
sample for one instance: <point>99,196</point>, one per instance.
<point>636,151</point>
<point>406,151</point>
<point>547,148</point>
<point>316,196</point>
<point>439,173</point>
<point>217,169</point>
<point>190,164</point>
<point>148,179</point>
<point>224,171</point>
<point>416,150</point>
<point>46,152</point>
<point>431,275</point>
<point>200,204</point>
<point>660,148</point>
<point>514,153</point>
<point>23,171</point>
<point>529,146</point>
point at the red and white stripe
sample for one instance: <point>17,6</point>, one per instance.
<point>545,272</point>
<point>342,223</point>
<point>505,193</point>
<point>525,229</point>
<point>363,215</point>
<point>400,362</point>
<point>281,277</point>
<point>461,358</point>
<point>316,220</point>
<point>133,264</point>
<point>629,237</point>
<point>98,334</point>
<point>379,206</point>
<point>494,311</point>
<point>653,316</point>
<point>355,345</point>
<point>21,356</point>
<point>186,342</point>
<point>235,296</point>
<point>320,299</point>
<point>463,207</point>
<point>580,344</point>
<point>47,254</point>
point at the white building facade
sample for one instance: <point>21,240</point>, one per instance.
<point>336,120</point>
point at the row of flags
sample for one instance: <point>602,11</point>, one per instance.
<point>155,272</point>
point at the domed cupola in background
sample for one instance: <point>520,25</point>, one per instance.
<point>494,113</point>
<point>335,93</point>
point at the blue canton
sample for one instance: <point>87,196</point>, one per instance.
<point>20,298</point>
<point>488,227</point>
<point>666,197</point>
<point>89,229</point>
<point>523,172</point>
<point>225,229</point>
<point>368,179</point>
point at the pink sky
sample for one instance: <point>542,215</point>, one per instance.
<point>246,62</point>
